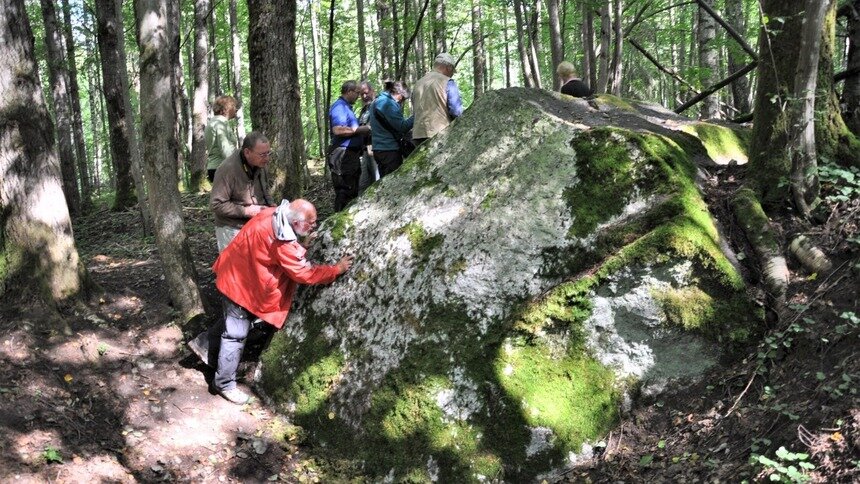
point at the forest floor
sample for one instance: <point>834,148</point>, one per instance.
<point>117,396</point>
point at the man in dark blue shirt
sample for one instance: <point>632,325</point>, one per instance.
<point>347,142</point>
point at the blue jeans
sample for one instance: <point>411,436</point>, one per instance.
<point>234,330</point>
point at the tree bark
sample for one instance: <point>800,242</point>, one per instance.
<point>507,50</point>
<point>57,68</point>
<point>478,59</point>
<point>804,165</point>
<point>156,32</point>
<point>386,39</point>
<point>528,76</point>
<point>362,41</point>
<point>534,43</point>
<point>740,87</point>
<point>319,111</point>
<point>77,123</point>
<point>555,40</point>
<point>201,96</point>
<point>439,27</point>
<point>275,94</point>
<point>37,252</point>
<point>617,50</point>
<point>605,39</point>
<point>851,89</point>
<point>236,64</point>
<point>125,152</point>
<point>588,61</point>
<point>708,61</point>
<point>214,71</point>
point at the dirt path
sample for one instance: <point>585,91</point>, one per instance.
<point>121,399</point>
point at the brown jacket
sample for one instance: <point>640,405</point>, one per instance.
<point>430,98</point>
<point>236,187</point>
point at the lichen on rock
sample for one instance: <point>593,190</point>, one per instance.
<point>515,280</point>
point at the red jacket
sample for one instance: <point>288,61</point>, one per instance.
<point>261,273</point>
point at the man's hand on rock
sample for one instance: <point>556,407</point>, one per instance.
<point>344,263</point>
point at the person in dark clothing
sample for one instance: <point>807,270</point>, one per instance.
<point>389,127</point>
<point>344,160</point>
<point>571,84</point>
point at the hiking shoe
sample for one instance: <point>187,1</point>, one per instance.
<point>234,395</point>
<point>200,347</point>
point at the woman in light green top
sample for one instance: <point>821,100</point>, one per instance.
<point>220,137</point>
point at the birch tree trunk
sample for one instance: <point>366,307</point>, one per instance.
<point>478,59</point>
<point>275,94</point>
<point>236,64</point>
<point>708,62</point>
<point>38,252</point>
<point>737,57</point>
<point>555,40</point>
<point>57,68</point>
<point>155,38</point>
<point>804,165</point>
<point>201,96</point>
<point>214,71</point>
<point>77,123</point>
<point>125,152</point>
<point>605,40</point>
<point>534,44</point>
<point>618,35</point>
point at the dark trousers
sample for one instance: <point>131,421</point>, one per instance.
<point>417,141</point>
<point>387,161</point>
<point>345,167</point>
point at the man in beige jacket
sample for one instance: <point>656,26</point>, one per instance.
<point>436,100</point>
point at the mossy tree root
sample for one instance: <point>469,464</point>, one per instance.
<point>751,217</point>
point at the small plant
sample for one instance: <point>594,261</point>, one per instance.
<point>841,184</point>
<point>788,466</point>
<point>52,455</point>
<point>102,349</point>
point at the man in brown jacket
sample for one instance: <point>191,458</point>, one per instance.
<point>436,100</point>
<point>240,188</point>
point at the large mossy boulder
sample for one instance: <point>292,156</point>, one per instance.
<point>516,281</point>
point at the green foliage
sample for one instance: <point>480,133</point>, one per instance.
<point>788,467</point>
<point>52,456</point>
<point>839,184</point>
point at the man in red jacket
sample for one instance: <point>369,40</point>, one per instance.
<point>258,273</point>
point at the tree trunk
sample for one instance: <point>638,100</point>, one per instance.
<point>77,123</point>
<point>804,169</point>
<point>478,59</point>
<point>214,72</point>
<point>439,27</point>
<point>507,50</point>
<point>236,64</point>
<point>588,61</point>
<point>528,77</point>
<point>617,50</point>
<point>707,29</point>
<point>851,89</point>
<point>62,105</point>
<point>125,153</point>
<point>534,44</point>
<point>395,30</point>
<point>155,37</point>
<point>605,39</point>
<point>275,94</point>
<point>319,111</point>
<point>833,139</point>
<point>362,42</point>
<point>555,40</point>
<point>737,57</point>
<point>201,96</point>
<point>386,39</point>
<point>37,248</point>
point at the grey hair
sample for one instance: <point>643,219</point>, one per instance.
<point>252,139</point>
<point>348,86</point>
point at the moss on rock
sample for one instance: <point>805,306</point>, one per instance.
<point>722,143</point>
